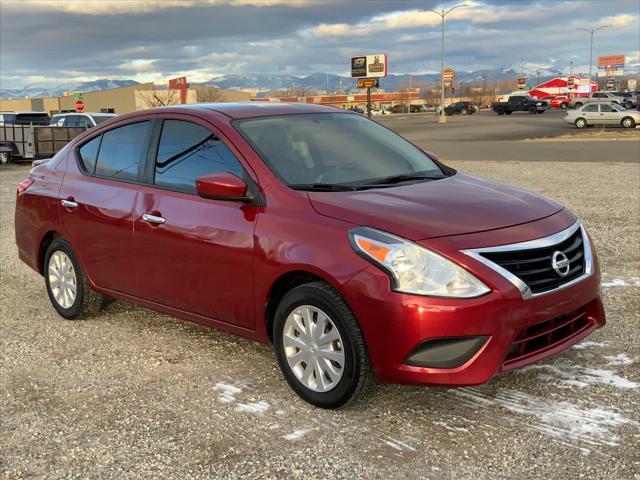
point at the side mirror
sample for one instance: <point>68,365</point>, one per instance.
<point>222,186</point>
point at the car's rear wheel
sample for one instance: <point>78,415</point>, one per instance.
<point>320,347</point>
<point>628,122</point>
<point>508,112</point>
<point>581,123</point>
<point>500,112</point>
<point>564,105</point>
<point>5,158</point>
<point>464,111</point>
<point>67,286</point>
<point>532,110</point>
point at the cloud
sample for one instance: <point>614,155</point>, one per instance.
<point>116,7</point>
<point>622,20</point>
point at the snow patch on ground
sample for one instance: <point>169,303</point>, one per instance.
<point>564,422</point>
<point>451,428</point>
<point>299,433</point>
<point>620,281</point>
<point>400,446</point>
<point>227,392</point>
<point>257,407</point>
<point>620,359</point>
<point>571,375</point>
<point>589,344</point>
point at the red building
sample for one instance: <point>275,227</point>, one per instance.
<point>559,86</point>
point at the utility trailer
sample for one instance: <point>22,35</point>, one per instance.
<point>30,142</point>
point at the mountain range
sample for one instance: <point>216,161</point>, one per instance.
<point>310,83</point>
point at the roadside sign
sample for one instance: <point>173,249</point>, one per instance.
<point>369,66</point>
<point>612,72</point>
<point>570,83</point>
<point>79,106</point>
<point>449,76</point>
<point>608,61</point>
<point>631,84</point>
<point>78,96</point>
<point>368,83</point>
<point>611,83</point>
<point>521,82</point>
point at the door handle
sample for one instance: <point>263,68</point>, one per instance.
<point>69,203</point>
<point>153,219</point>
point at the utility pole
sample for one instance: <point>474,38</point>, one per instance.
<point>522,67</point>
<point>571,68</point>
<point>591,31</point>
<point>443,13</point>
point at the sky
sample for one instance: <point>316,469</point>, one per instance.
<point>50,42</point>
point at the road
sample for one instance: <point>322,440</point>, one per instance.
<point>131,393</point>
<point>486,136</point>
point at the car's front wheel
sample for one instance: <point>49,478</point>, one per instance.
<point>320,347</point>
<point>564,105</point>
<point>67,286</point>
<point>5,158</point>
<point>581,123</point>
<point>628,122</point>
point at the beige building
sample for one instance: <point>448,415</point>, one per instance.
<point>125,99</point>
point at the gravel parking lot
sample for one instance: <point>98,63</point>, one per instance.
<point>132,393</point>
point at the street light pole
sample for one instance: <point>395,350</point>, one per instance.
<point>443,13</point>
<point>591,31</point>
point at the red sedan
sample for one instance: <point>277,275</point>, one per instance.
<point>559,101</point>
<point>356,253</point>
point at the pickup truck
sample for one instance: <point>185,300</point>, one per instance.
<point>520,103</point>
<point>600,97</point>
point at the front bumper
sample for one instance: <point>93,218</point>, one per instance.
<point>503,331</point>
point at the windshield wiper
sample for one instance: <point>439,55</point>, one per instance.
<point>324,187</point>
<point>405,177</point>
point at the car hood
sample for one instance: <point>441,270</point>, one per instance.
<point>452,206</point>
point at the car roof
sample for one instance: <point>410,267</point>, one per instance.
<point>255,109</point>
<point>94,114</point>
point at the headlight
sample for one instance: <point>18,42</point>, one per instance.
<point>413,268</point>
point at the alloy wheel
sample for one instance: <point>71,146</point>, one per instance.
<point>62,279</point>
<point>313,348</point>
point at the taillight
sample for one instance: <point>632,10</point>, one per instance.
<point>24,185</point>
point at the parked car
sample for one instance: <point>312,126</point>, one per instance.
<point>80,119</point>
<point>558,101</point>
<point>377,111</point>
<point>519,103</point>
<point>273,222</point>
<point>631,98</point>
<point>577,102</point>
<point>602,114</point>
<point>24,118</point>
<point>461,108</point>
<point>418,108</point>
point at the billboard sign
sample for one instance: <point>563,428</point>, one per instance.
<point>611,73</point>
<point>521,82</point>
<point>369,66</point>
<point>181,85</point>
<point>608,61</point>
<point>570,83</point>
<point>631,84</point>
<point>449,76</point>
<point>368,83</point>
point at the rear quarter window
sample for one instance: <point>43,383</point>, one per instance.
<point>89,154</point>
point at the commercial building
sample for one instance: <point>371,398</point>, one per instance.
<point>125,99</point>
<point>378,100</point>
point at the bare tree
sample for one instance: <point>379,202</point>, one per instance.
<point>156,97</point>
<point>209,95</point>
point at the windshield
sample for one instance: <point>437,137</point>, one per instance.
<point>333,148</point>
<point>102,118</point>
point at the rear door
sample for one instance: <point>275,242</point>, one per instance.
<point>193,253</point>
<point>591,113</point>
<point>98,198</point>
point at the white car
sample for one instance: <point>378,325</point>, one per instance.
<point>80,119</point>
<point>604,113</point>
<point>377,111</point>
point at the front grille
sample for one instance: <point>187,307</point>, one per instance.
<point>543,335</point>
<point>533,265</point>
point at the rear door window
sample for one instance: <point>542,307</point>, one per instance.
<point>591,108</point>
<point>121,151</point>
<point>188,151</point>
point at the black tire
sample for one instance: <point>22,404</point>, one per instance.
<point>540,112</point>
<point>532,110</point>
<point>500,112</point>
<point>357,375</point>
<point>564,105</point>
<point>5,158</point>
<point>628,122</point>
<point>87,301</point>
<point>508,112</point>
<point>464,111</point>
<point>581,123</point>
